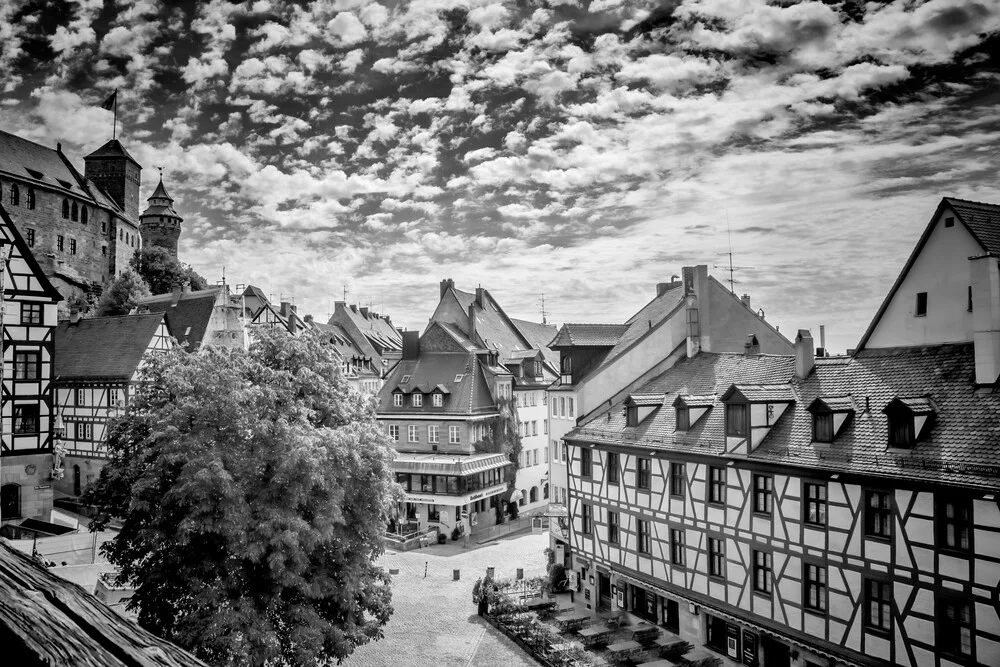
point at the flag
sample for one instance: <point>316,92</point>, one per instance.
<point>109,103</point>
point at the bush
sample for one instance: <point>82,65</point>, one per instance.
<point>557,576</point>
<point>455,533</point>
<point>441,538</point>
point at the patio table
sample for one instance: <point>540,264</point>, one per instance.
<point>701,657</point>
<point>660,662</point>
<point>623,650</point>
<point>668,642</point>
<point>643,631</point>
<point>595,634</point>
<point>572,621</point>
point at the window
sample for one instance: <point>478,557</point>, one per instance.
<point>31,199</point>
<point>736,420</point>
<point>394,432</point>
<point>412,433</point>
<point>823,427</point>
<point>59,243</point>
<point>569,405</point>
<point>631,415</point>
<point>954,524</point>
<point>613,527</point>
<point>31,238</point>
<point>642,536</point>
<point>545,425</point>
<point>614,469</point>
<point>642,473</point>
<point>10,501</point>
<point>437,400</point>
<point>815,508</point>
<point>433,513</point>
<point>955,626</point>
<point>454,436</point>
<point>72,246</point>
<point>901,431</point>
<point>968,306</point>
<point>104,227</point>
<point>921,308</point>
<point>677,479</point>
<point>677,547</point>
<point>586,516</point>
<point>83,214</point>
<point>534,428</point>
<point>814,587</point>
<point>26,418</point>
<point>417,400</point>
<point>585,462</point>
<point>104,250</point>
<point>762,572</point>
<point>27,365</point>
<point>716,485</point>
<point>878,514</point>
<point>113,398</point>
<point>683,418</point>
<point>74,212</point>
<point>949,222</point>
<point>762,493</point>
<point>31,313</point>
<point>878,600</point>
<point>716,557</point>
<point>81,396</point>
<point>65,211</point>
<point>15,195</point>
<point>84,431</point>
<point>432,433</point>
<point>397,400</point>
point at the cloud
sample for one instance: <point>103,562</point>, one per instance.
<point>345,28</point>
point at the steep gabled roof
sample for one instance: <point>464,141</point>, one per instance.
<point>103,347</point>
<point>437,371</point>
<point>188,318</point>
<point>981,220</point>
<point>962,445</point>
<point>588,335</point>
<point>339,340</point>
<point>539,335</point>
<point>29,161</point>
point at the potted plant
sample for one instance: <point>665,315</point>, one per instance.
<point>455,534</point>
<point>441,538</point>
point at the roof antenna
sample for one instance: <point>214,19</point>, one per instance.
<point>731,268</point>
<point>542,300</point>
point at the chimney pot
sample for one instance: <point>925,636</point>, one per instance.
<point>411,344</point>
<point>745,300</point>
<point>446,285</point>
<point>804,359</point>
<point>472,323</point>
<point>364,311</point>
<point>479,297</point>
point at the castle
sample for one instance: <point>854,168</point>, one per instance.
<point>82,228</point>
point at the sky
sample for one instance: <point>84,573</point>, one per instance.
<point>561,150</point>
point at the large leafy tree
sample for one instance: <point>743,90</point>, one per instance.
<point>162,271</point>
<point>122,295</point>
<point>253,490</point>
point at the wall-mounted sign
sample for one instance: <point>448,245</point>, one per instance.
<point>586,593</point>
<point>621,598</point>
<point>40,488</point>
<point>733,641</point>
<point>749,649</point>
<point>30,469</point>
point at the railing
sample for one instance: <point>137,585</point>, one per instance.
<point>411,540</point>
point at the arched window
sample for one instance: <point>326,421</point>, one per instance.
<point>66,208</point>
<point>83,214</point>
<point>524,499</point>
<point>76,480</point>
<point>545,491</point>
<point>15,195</point>
<point>533,495</point>
<point>74,212</point>
<point>31,198</point>
<point>10,501</point>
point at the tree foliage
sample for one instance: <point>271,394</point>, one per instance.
<point>253,490</point>
<point>122,295</point>
<point>162,271</point>
<point>501,436</point>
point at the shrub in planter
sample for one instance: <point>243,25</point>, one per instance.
<point>441,538</point>
<point>476,589</point>
<point>557,577</point>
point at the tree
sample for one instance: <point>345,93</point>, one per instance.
<point>162,271</point>
<point>253,489</point>
<point>122,295</point>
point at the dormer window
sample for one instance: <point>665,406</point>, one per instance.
<point>736,420</point>
<point>566,366</point>
<point>417,400</point>
<point>437,400</point>
<point>752,410</point>
<point>397,400</point>
<point>909,420</point>
<point>690,409</point>
<point>640,406</point>
<point>830,414</point>
<point>538,369</point>
<point>632,415</point>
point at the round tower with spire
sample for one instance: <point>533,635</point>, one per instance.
<point>159,224</point>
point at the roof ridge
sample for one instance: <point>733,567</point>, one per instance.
<point>970,201</point>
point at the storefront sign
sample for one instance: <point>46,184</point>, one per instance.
<point>733,641</point>
<point>40,488</point>
<point>749,649</point>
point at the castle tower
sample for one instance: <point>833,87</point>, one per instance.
<point>117,173</point>
<point>159,224</point>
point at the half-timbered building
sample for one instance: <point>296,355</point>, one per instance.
<point>802,510</point>
<point>93,382</point>
<point>27,322</point>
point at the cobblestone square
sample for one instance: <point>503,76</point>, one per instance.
<point>434,620</point>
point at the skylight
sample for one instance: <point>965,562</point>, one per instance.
<point>406,378</point>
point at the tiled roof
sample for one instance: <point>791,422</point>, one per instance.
<point>962,445</point>
<point>189,318</point>
<point>438,370</point>
<point>832,404</point>
<point>377,328</point>
<point>103,347</point>
<point>589,335</point>
<point>160,192</point>
<point>983,220</point>
<point>20,157</point>
<point>113,148</point>
<point>695,400</point>
<point>338,338</point>
<point>654,312</point>
<point>645,399</point>
<point>762,393</point>
<point>539,335</point>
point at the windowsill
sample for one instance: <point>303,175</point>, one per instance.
<point>819,613</point>
<point>956,552</point>
<point>717,577</point>
<point>763,515</point>
<point>677,495</point>
<point>814,526</point>
<point>716,503</point>
<point>920,314</point>
<point>641,490</point>
<point>879,538</point>
<point>761,594</point>
<point>881,632</point>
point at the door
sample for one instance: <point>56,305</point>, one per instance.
<point>672,616</point>
<point>775,653</point>
<point>603,591</point>
<point>76,480</point>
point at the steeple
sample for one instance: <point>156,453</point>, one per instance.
<point>160,224</point>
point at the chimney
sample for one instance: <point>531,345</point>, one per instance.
<point>804,359</point>
<point>752,347</point>
<point>285,308</point>
<point>364,311</point>
<point>479,297</point>
<point>985,273</point>
<point>411,345</point>
<point>472,323</point>
<point>745,300</point>
<point>821,351</point>
<point>176,294</point>
<point>339,305</point>
<point>74,316</point>
<point>446,285</point>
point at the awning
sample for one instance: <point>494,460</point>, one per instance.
<point>444,464</point>
<point>715,611</point>
<point>472,496</point>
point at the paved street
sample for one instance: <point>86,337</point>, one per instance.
<point>435,622</point>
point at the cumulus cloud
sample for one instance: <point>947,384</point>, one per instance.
<point>345,28</point>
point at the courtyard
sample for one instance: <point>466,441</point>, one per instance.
<point>434,622</point>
